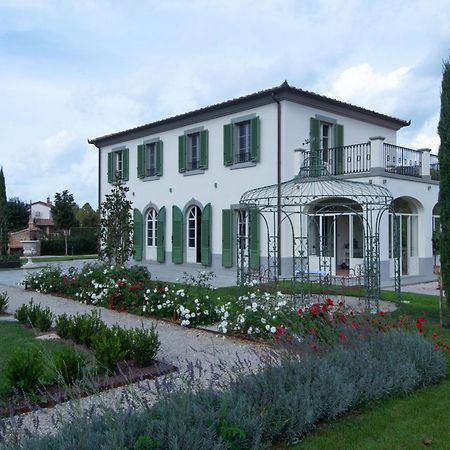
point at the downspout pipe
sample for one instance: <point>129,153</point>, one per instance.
<point>275,99</point>
<point>99,171</point>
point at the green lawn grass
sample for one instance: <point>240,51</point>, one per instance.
<point>13,336</point>
<point>401,421</point>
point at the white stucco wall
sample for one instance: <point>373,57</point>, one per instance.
<point>41,211</point>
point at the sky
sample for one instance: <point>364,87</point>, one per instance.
<point>75,70</point>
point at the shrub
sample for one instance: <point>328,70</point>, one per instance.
<point>24,368</point>
<point>63,325</point>
<point>4,300</point>
<point>108,350</point>
<point>49,279</point>
<point>35,315</point>
<point>85,326</point>
<point>69,365</point>
<point>145,345</point>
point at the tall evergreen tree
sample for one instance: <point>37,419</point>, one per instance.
<point>63,212</point>
<point>444,190</point>
<point>3,216</point>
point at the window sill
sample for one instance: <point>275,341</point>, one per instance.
<point>243,165</point>
<point>188,173</point>
<point>154,178</point>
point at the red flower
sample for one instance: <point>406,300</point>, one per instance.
<point>341,303</point>
<point>436,346</point>
<point>324,308</point>
<point>329,301</point>
<point>420,319</point>
<point>65,279</point>
<point>312,330</point>
<point>300,311</point>
<point>434,334</point>
<point>133,303</point>
<point>121,283</point>
<point>343,318</point>
<point>279,331</point>
<point>419,323</point>
<point>342,337</point>
<point>314,310</point>
<point>381,313</point>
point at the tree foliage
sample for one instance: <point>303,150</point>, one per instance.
<point>3,216</point>
<point>18,214</point>
<point>63,211</point>
<point>116,226</point>
<point>444,191</point>
<point>87,217</point>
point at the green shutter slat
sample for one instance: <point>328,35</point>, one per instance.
<point>339,139</point>
<point>137,235</point>
<point>254,239</point>
<point>227,238</point>
<point>314,146</point>
<point>256,144</point>
<point>110,168</point>
<point>204,149</point>
<point>161,235</point>
<point>228,144</point>
<point>140,161</point>
<point>177,235</point>
<point>159,158</point>
<point>126,165</point>
<point>182,153</point>
<point>206,253</point>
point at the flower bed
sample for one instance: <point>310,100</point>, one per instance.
<point>255,315</point>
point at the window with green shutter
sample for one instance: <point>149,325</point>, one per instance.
<point>118,165</point>
<point>150,159</point>
<point>227,237</point>
<point>177,235</point>
<point>182,153</point>
<point>203,150</point>
<point>205,236</point>
<point>241,141</point>
<point>137,235</point>
<point>161,235</point>
<point>193,150</point>
<point>339,144</point>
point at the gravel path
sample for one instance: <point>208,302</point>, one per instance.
<point>179,346</point>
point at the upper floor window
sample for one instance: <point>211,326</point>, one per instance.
<point>326,139</point>
<point>118,165</point>
<point>150,159</point>
<point>193,151</point>
<point>242,141</point>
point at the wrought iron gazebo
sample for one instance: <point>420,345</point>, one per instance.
<point>294,207</point>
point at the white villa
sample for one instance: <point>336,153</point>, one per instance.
<point>187,174</point>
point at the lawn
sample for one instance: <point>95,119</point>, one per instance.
<point>13,336</point>
<point>45,259</point>
<point>399,422</point>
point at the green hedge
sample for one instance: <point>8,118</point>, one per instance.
<point>279,403</point>
<point>80,244</point>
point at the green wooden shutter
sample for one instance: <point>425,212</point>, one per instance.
<point>182,153</point>
<point>228,144</point>
<point>161,235</point>
<point>206,235</point>
<point>339,140</point>
<point>159,158</point>
<point>256,144</point>
<point>137,235</point>
<point>227,238</point>
<point>254,238</point>
<point>110,167</point>
<point>204,149</point>
<point>177,235</point>
<point>140,161</point>
<point>126,164</point>
<point>314,146</point>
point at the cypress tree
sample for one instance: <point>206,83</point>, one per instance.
<point>444,190</point>
<point>3,216</point>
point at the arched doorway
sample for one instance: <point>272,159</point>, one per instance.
<point>193,235</point>
<point>151,234</point>
<point>406,215</point>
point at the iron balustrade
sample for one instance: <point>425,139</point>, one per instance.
<point>402,160</point>
<point>354,158</point>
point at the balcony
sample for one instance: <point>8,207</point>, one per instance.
<point>375,158</point>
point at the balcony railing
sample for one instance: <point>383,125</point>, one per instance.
<point>348,159</point>
<point>434,167</point>
<point>402,160</point>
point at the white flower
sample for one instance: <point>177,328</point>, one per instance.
<point>159,306</point>
<point>263,321</point>
<point>272,329</point>
<point>144,308</point>
<point>267,327</point>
